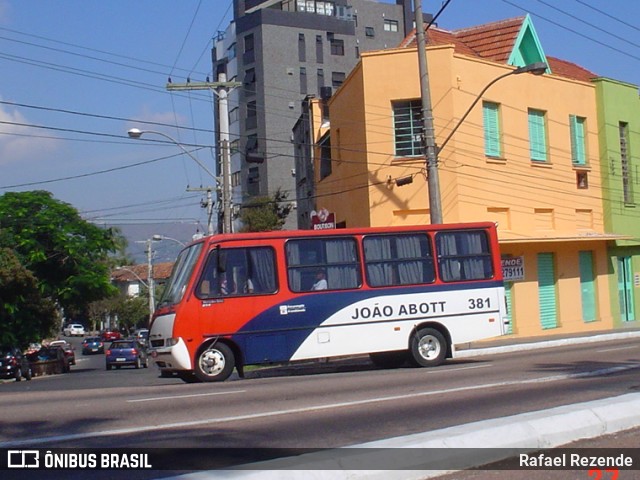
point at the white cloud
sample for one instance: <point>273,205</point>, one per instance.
<point>19,142</point>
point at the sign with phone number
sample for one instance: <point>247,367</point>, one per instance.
<point>512,268</point>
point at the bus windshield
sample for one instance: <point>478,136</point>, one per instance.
<point>180,275</point>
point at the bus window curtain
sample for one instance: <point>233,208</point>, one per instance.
<point>412,271</point>
<point>379,274</point>
<point>262,270</point>
<point>293,259</point>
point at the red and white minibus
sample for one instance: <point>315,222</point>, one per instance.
<point>395,293</point>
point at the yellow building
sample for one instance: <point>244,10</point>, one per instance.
<point>526,157</point>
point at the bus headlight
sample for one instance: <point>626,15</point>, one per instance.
<point>170,342</point>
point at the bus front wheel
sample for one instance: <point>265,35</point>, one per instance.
<point>428,347</point>
<point>214,363</point>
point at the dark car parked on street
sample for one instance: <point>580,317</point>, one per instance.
<point>50,360</point>
<point>92,345</point>
<point>13,364</point>
<point>126,352</point>
<point>68,349</point>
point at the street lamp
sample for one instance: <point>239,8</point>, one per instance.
<point>537,68</point>
<point>158,238</point>
<point>137,133</point>
<point>435,203</point>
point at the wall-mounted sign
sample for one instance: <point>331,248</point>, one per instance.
<point>512,268</point>
<point>323,219</point>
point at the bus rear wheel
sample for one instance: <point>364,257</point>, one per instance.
<point>428,347</point>
<point>214,363</point>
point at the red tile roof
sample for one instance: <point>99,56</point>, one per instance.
<point>133,273</point>
<point>494,41</point>
<point>569,70</point>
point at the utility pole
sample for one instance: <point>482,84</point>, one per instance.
<point>150,282</point>
<point>221,89</point>
<point>431,152</point>
<point>208,204</point>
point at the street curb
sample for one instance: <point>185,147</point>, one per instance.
<point>481,351</point>
<point>532,431</point>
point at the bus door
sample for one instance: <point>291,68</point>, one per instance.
<point>236,291</point>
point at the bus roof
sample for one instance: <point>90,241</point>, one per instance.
<point>287,234</point>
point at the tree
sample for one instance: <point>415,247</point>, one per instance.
<point>25,315</point>
<point>264,214</point>
<point>68,256</point>
<point>129,311</point>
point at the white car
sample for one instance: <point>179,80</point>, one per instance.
<point>73,329</point>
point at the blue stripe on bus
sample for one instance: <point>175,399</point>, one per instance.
<point>274,337</point>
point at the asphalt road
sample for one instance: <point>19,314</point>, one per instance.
<point>309,406</point>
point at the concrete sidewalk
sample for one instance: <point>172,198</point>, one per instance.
<point>498,438</point>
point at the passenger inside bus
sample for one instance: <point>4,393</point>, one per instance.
<point>321,281</point>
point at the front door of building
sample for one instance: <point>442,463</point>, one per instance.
<point>625,289</point>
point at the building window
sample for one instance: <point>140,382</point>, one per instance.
<point>578,146</point>
<point>582,180</point>
<point>303,80</point>
<point>537,135</point>
<point>234,146</point>
<point>249,80</point>
<point>369,32</point>
<point>337,79</point>
<point>627,186</point>
<point>302,48</point>
<point>320,78</point>
<point>233,114</point>
<point>251,121</point>
<point>248,43</point>
<point>408,128</point>
<point>390,25</point>
<point>337,47</point>
<point>319,51</point>
<point>325,157</point>
<point>253,181</point>
<point>491,122</point>
<point>231,51</point>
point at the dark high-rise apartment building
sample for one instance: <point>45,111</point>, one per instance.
<point>282,52</point>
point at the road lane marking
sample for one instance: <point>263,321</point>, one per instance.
<point>630,347</point>
<point>312,408</point>
<point>173,397</point>
<point>457,369</point>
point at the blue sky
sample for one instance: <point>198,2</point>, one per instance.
<point>77,74</point>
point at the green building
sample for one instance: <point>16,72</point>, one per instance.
<point>619,139</point>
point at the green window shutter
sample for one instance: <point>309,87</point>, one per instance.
<point>547,291</point>
<point>491,129</point>
<point>537,136</point>
<point>578,151</point>
<point>508,295</point>
<point>625,289</point>
<point>587,286</point>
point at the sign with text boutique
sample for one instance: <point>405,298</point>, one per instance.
<point>323,220</point>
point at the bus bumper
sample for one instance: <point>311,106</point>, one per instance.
<point>173,358</point>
